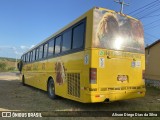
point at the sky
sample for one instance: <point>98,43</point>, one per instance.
<point>25,23</point>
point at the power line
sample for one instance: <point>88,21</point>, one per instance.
<point>148,39</point>
<point>143,7</point>
<point>152,35</point>
<point>152,16</point>
<point>152,27</point>
<point>151,22</point>
<point>146,9</point>
<point>149,13</point>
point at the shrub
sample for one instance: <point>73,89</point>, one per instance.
<point>11,68</point>
<point>2,66</point>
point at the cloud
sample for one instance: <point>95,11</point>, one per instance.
<point>32,46</point>
<point>16,51</point>
<point>23,47</point>
<point>12,51</point>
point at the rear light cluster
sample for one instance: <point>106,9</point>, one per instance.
<point>93,76</point>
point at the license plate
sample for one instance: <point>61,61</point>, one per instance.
<point>122,78</point>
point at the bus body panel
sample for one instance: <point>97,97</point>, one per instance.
<point>108,86</point>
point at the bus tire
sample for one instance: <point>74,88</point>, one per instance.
<point>51,89</point>
<point>23,81</point>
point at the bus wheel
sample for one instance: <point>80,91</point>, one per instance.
<point>51,89</point>
<point>23,81</point>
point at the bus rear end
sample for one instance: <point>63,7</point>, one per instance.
<point>117,57</point>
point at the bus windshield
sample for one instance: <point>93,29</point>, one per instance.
<point>117,32</point>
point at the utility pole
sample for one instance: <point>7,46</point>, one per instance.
<point>122,4</point>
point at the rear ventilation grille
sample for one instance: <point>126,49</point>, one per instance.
<point>73,81</point>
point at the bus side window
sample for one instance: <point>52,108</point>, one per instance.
<point>41,52</point>
<point>34,52</point>
<point>30,58</point>
<point>58,45</point>
<point>78,36</point>
<point>37,54</point>
<point>67,37</point>
<point>26,58</point>
<point>23,58</point>
<point>51,47</point>
<point>45,50</point>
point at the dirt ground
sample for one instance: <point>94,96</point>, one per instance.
<point>15,97</point>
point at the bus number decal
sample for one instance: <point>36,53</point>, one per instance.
<point>101,62</point>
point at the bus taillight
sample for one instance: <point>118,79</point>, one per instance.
<point>93,75</point>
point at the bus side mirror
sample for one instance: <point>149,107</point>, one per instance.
<point>18,66</point>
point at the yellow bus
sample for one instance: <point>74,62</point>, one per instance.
<point>99,57</point>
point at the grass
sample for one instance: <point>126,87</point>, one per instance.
<point>7,64</point>
<point>8,59</point>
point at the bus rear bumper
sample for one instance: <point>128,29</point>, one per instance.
<point>115,96</point>
<point>126,95</point>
